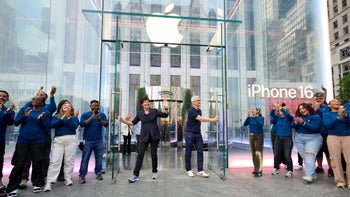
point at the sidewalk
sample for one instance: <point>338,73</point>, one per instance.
<point>173,182</point>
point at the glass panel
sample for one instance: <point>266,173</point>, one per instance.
<point>109,98</point>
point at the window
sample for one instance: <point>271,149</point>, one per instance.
<point>175,58</point>
<point>346,30</point>
<point>156,57</point>
<point>135,56</point>
<point>345,18</point>
<point>175,80</point>
<point>155,80</point>
<point>195,85</point>
<point>344,3</point>
<point>335,24</point>
<point>335,9</point>
<point>336,35</point>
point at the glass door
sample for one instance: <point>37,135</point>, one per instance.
<point>217,138</point>
<point>111,103</point>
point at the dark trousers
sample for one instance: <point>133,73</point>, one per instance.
<point>256,141</point>
<point>137,143</point>
<point>141,153</point>
<point>2,153</point>
<point>283,151</point>
<point>300,159</point>
<point>273,137</point>
<point>46,162</point>
<point>127,144</point>
<point>197,141</point>
<point>19,159</point>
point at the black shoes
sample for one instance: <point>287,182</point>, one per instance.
<point>257,174</point>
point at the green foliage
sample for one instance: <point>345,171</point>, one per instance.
<point>344,88</point>
<point>140,93</point>
<point>186,105</point>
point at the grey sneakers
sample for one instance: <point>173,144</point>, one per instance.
<point>133,179</point>
<point>154,175</point>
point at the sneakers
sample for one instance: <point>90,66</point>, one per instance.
<point>258,174</point>
<point>319,170</point>
<point>99,177</point>
<point>289,174</point>
<point>48,187</point>
<point>13,193</point>
<point>154,175</point>
<point>190,173</point>
<point>23,184</point>
<point>68,182</point>
<point>330,172</point>
<point>202,174</point>
<point>275,171</point>
<point>133,179</point>
<point>82,179</point>
<point>36,189</point>
<point>298,167</point>
<point>309,178</point>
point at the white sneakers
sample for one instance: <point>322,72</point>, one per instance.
<point>289,174</point>
<point>275,171</point>
<point>190,173</point>
<point>298,167</point>
<point>201,174</point>
<point>309,178</point>
<point>48,187</point>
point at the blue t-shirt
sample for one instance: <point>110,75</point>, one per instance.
<point>32,130</point>
<point>336,127</point>
<point>256,124</point>
<point>283,125</point>
<point>93,130</point>
<point>312,124</point>
<point>5,120</point>
<point>64,126</point>
<point>193,126</point>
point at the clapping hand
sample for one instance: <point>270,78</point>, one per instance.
<point>27,111</point>
<point>11,107</point>
<point>41,115</point>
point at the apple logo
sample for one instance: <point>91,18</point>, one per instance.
<point>162,30</point>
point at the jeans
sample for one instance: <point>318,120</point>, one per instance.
<point>97,147</point>
<point>283,151</point>
<point>197,141</point>
<point>308,146</point>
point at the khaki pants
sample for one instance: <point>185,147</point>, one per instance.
<point>338,145</point>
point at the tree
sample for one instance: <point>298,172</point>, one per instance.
<point>344,88</point>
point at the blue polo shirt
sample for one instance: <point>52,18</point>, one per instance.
<point>193,126</point>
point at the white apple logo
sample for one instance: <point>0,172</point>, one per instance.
<point>164,30</point>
